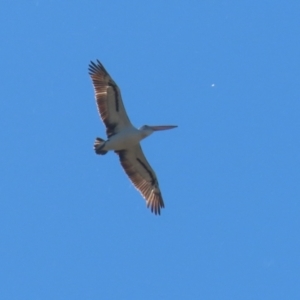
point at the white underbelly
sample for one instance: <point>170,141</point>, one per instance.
<point>123,140</point>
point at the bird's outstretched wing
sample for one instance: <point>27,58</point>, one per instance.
<point>109,100</point>
<point>142,176</point>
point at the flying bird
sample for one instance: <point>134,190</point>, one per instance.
<point>123,138</point>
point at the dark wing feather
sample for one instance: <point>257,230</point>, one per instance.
<point>109,100</point>
<point>142,176</point>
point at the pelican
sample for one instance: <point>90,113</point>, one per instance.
<point>123,138</point>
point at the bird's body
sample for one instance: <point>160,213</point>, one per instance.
<point>129,136</point>
<point>123,138</point>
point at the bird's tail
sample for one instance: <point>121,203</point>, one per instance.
<point>98,145</point>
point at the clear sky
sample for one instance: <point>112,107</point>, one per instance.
<point>72,226</point>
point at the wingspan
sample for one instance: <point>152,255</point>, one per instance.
<point>142,176</point>
<point>109,100</point>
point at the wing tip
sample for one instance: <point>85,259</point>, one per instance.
<point>156,204</point>
<point>95,67</point>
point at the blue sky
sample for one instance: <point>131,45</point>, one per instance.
<point>227,73</point>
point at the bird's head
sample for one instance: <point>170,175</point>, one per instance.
<point>146,130</point>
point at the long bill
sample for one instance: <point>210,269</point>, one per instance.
<point>162,127</point>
